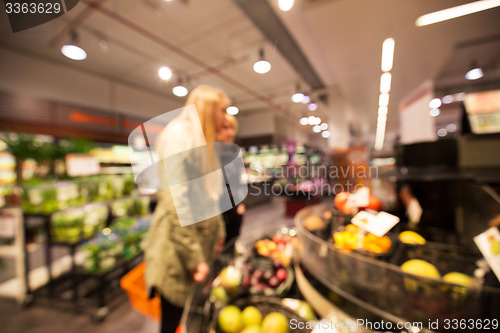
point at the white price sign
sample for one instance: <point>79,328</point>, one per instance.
<point>378,224</point>
<point>489,244</point>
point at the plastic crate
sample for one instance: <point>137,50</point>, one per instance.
<point>135,286</point>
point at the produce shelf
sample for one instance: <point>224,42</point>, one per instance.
<point>385,290</point>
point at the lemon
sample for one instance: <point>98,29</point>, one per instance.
<point>411,237</point>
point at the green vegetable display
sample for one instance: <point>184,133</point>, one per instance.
<point>123,241</point>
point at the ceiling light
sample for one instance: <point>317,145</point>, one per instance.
<point>442,132</point>
<point>71,50</point>
<point>317,121</point>
<point>324,126</point>
<point>434,112</point>
<point>232,110</point>
<point>387,54</point>
<point>448,99</point>
<point>451,128</point>
<point>304,121</point>
<point>325,134</point>
<point>383,99</point>
<point>385,82</point>
<point>165,73</point>
<point>435,103</point>
<point>306,99</point>
<point>454,12</point>
<point>474,73</point>
<point>317,129</point>
<point>74,52</point>
<point>285,5</point>
<point>311,120</point>
<point>297,97</point>
<point>382,110</point>
<point>262,66</point>
<point>179,90</point>
<point>312,107</point>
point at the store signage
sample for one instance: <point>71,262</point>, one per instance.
<point>82,165</point>
<point>378,224</point>
<point>483,110</point>
<point>77,116</point>
<point>489,244</point>
<point>26,14</point>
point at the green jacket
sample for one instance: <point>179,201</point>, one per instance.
<point>172,252</point>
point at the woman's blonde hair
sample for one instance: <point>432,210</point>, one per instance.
<point>233,122</point>
<point>206,99</point>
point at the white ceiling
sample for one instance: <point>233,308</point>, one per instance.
<point>213,42</point>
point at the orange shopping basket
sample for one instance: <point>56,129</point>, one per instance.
<point>133,283</point>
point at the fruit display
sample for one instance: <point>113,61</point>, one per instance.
<point>263,276</point>
<point>346,203</point>
<point>233,320</point>
<point>411,237</point>
<point>415,278</point>
<point>353,238</point>
<point>280,246</point>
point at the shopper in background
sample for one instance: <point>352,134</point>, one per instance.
<point>175,256</point>
<point>233,218</point>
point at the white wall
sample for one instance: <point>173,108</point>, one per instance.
<point>25,74</point>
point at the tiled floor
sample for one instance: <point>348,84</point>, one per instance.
<point>44,318</point>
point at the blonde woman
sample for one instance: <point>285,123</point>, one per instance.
<point>175,256</point>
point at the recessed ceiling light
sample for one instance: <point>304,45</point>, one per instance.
<point>325,134</point>
<point>383,99</point>
<point>435,103</point>
<point>317,129</point>
<point>387,54</point>
<point>324,126</point>
<point>311,120</point>
<point>442,132</point>
<point>447,99</point>
<point>434,112</point>
<point>305,100</point>
<point>285,5</point>
<point>165,73</point>
<point>385,82</point>
<point>297,97</point>
<point>304,121</point>
<point>451,128</point>
<point>312,107</point>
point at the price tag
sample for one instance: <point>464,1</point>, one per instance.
<point>362,197</point>
<point>489,244</point>
<point>82,165</point>
<point>7,226</point>
<point>377,224</point>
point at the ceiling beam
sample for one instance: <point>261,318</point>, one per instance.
<point>268,22</point>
